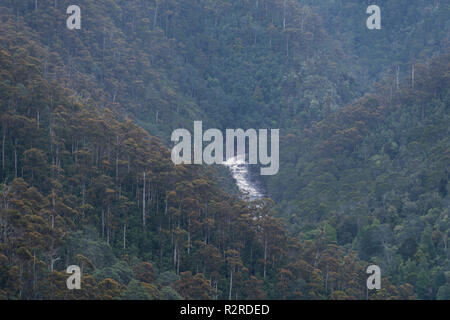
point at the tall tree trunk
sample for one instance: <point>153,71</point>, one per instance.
<point>117,160</point>
<point>53,209</point>
<point>3,146</point>
<point>231,283</point>
<point>108,229</point>
<point>155,17</point>
<point>103,224</point>
<point>143,203</point>
<point>34,271</point>
<point>178,262</point>
<point>265,257</point>
<point>124,235</point>
<point>175,256</point>
<point>83,192</point>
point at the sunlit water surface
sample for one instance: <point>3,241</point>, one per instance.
<point>240,172</point>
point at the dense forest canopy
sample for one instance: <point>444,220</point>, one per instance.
<point>87,179</point>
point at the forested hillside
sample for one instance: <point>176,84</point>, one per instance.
<point>411,31</point>
<point>229,63</point>
<point>87,179</point>
<point>83,187</point>
<point>376,176</point>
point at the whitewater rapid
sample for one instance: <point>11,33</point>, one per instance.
<point>240,172</point>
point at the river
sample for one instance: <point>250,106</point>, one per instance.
<point>241,174</point>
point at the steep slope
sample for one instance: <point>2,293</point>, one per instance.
<point>376,176</point>
<point>411,30</point>
<point>166,63</point>
<point>371,177</point>
<point>81,186</point>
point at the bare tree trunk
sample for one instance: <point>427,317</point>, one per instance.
<point>265,257</point>
<point>178,262</point>
<point>155,17</point>
<point>83,191</point>
<point>108,230</point>
<point>3,146</point>
<point>53,209</point>
<point>231,283</point>
<point>117,160</point>
<point>157,203</point>
<point>287,46</point>
<point>103,223</point>
<point>124,235</point>
<point>34,271</point>
<point>175,256</point>
<point>15,160</point>
<point>189,241</point>
<point>143,203</point>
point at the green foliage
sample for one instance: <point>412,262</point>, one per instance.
<point>85,183</point>
<point>135,291</point>
<point>378,168</point>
